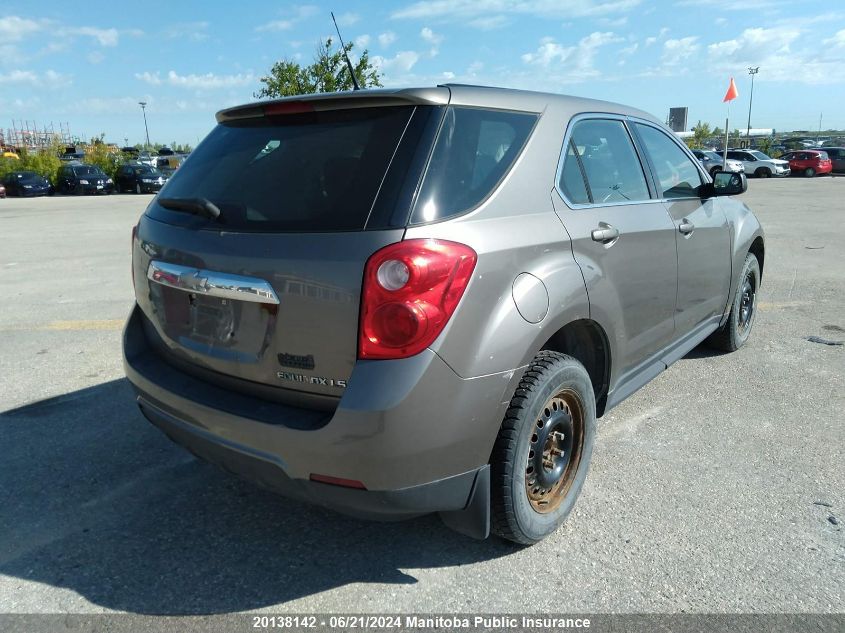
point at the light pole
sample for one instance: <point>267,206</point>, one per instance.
<point>143,105</point>
<point>752,72</point>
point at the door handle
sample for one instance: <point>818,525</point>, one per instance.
<point>605,233</point>
<point>686,227</point>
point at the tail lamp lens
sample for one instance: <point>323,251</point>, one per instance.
<point>411,290</point>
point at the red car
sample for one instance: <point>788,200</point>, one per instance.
<point>809,162</point>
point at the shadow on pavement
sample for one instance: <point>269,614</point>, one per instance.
<point>97,500</point>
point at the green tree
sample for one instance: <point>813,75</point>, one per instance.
<point>44,162</point>
<point>100,154</point>
<point>327,73</point>
<point>700,133</point>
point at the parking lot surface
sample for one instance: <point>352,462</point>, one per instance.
<point>719,487</point>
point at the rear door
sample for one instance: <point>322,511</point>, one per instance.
<point>701,231</point>
<point>622,238</point>
<point>268,293</point>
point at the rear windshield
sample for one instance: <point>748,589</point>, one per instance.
<point>317,171</point>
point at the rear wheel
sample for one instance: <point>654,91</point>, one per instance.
<point>809,172</point>
<point>542,453</point>
<point>736,330</point>
<point>763,172</point>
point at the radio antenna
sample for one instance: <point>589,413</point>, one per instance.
<point>355,85</point>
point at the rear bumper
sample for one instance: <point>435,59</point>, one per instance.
<point>414,433</point>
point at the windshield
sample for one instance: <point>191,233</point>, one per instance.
<point>88,170</point>
<point>148,173</point>
<point>28,176</point>
<point>759,155</point>
<point>317,171</point>
<point>712,155</point>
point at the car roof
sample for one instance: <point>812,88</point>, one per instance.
<point>452,94</point>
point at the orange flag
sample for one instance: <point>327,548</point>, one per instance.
<point>732,92</point>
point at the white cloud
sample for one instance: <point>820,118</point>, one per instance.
<point>290,18</point>
<point>677,51</point>
<point>50,79</point>
<point>193,31</point>
<point>105,37</point>
<point>348,19</point>
<point>649,41</point>
<point>150,78</point>
<point>362,41</point>
<point>433,39</point>
<point>387,38</point>
<point>538,8</point>
<point>629,50</point>
<point>837,41</point>
<point>208,81</point>
<point>95,57</point>
<point>448,75</point>
<point>400,63</point>
<point>571,63</point>
<point>489,23</point>
<point>14,28</point>
<point>430,36</point>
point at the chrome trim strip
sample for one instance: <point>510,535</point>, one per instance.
<point>213,284</point>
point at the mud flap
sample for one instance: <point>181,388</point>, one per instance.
<point>474,519</point>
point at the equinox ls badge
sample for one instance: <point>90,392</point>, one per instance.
<point>310,380</point>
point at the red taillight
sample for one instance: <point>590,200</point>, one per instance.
<point>410,291</point>
<point>287,107</point>
<point>337,481</point>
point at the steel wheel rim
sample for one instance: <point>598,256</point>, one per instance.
<point>554,451</point>
<point>747,303</point>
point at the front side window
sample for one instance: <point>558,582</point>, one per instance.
<point>677,175</point>
<point>601,149</point>
<point>474,150</point>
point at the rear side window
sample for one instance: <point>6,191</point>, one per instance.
<point>317,171</point>
<point>677,175</point>
<point>602,150</point>
<point>474,150</point>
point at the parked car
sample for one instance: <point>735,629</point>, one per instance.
<point>27,183</point>
<point>759,164</point>
<point>2,190</point>
<point>714,163</point>
<point>837,157</point>
<point>139,178</point>
<point>368,299</point>
<point>809,162</point>
<point>84,179</point>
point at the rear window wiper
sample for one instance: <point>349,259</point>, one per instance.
<point>197,206</point>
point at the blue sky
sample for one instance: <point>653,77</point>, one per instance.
<point>90,66</point>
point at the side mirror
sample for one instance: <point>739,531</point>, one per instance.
<point>728,183</point>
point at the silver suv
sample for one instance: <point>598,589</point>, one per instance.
<point>398,302</point>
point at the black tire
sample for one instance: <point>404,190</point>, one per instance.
<point>554,407</point>
<point>715,171</point>
<point>736,330</point>
<point>809,172</point>
<point>138,188</point>
<point>763,172</point>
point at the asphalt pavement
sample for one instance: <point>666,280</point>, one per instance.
<point>719,487</point>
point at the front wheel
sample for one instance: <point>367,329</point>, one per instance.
<point>715,171</point>
<point>809,172</point>
<point>138,187</point>
<point>736,330</point>
<point>543,450</point>
<point>763,172</point>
